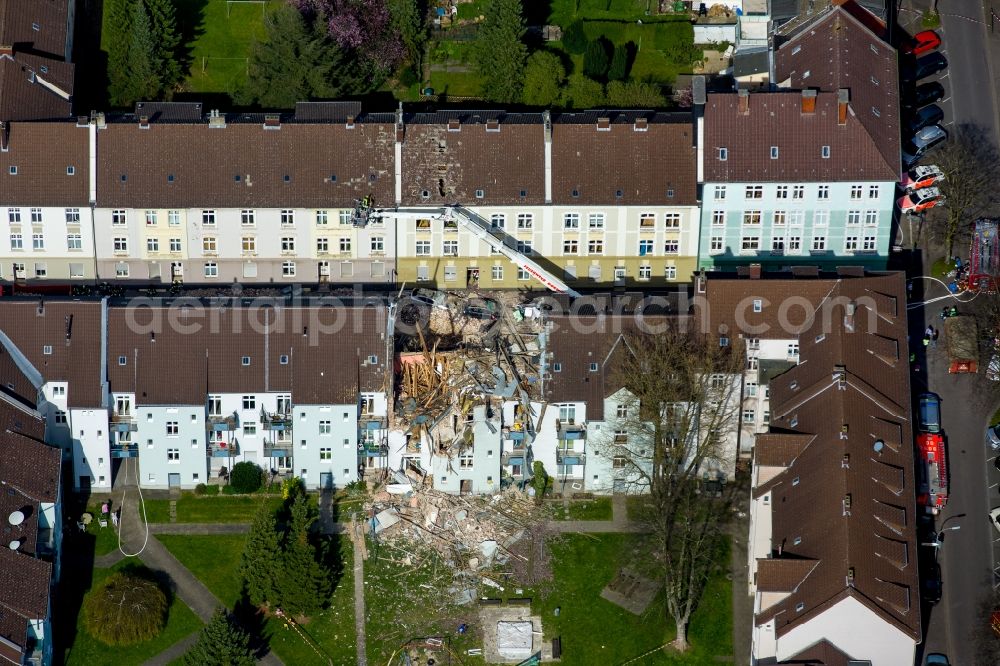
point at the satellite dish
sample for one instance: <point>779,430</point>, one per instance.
<point>15,518</point>
<point>879,444</point>
<point>14,545</point>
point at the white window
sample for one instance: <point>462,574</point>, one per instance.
<point>825,152</point>
<point>798,192</point>
<point>60,417</point>
<point>718,218</point>
<point>326,453</point>
<point>72,216</point>
<point>823,192</point>
<point>172,429</point>
<point>524,247</point>
<point>620,274</point>
<point>777,244</point>
<point>14,215</point>
<point>423,248</point>
<point>672,220</point>
<point>850,243</point>
<point>871,217</point>
<point>322,218</point>
<point>38,241</point>
<point>208,218</point>
<point>322,245</point>
<point>345,217</point>
<point>869,243</point>
<point>819,244</point>
<point>796,217</point>
<point>821,218</point>
<point>345,245</point>
<point>595,247</point>
<point>794,244</point>
<point>211,269</point>
<point>41,270</point>
<point>671,246</point>
<point>16,242</point>
<point>571,221</point>
<point>249,428</point>
<point>781,192</point>
<point>670,272</point>
<point>715,244</point>
<point>754,192</point>
<point>248,217</point>
<point>378,244</point>
<point>723,154</point>
<point>720,192</point>
<point>573,247</point>
<point>121,244</point>
<point>175,244</point>
<point>567,413</point>
<point>118,218</point>
<point>793,349</point>
<point>249,244</point>
<point>288,269</point>
<point>498,221</point>
<point>647,220</point>
<point>854,217</point>
<point>57,390</point>
<point>36,215</point>
<point>856,191</point>
<point>496,272</point>
<point>287,217</point>
<point>774,152</point>
<point>326,427</point>
<point>121,270</point>
<point>523,275</point>
<point>595,220</point>
<point>750,243</point>
<point>751,389</point>
<point>758,305</point>
<point>450,273</point>
<point>287,244</point>
<point>174,218</point>
<point>645,247</point>
<point>152,244</point>
<point>450,248</point>
<point>749,416</point>
<point>873,191</point>
<point>778,218</point>
<point>645,272</point>
<point>525,220</point>
<point>751,217</point>
<point>209,245</point>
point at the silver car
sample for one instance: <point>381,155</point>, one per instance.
<point>921,142</point>
<point>993,437</point>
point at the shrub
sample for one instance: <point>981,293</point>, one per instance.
<point>540,481</point>
<point>618,70</point>
<point>634,95</point>
<point>228,490</point>
<point>125,608</point>
<point>595,60</point>
<point>574,39</point>
<point>291,488</point>
<point>200,489</point>
<point>543,79</point>
<point>583,93</point>
<point>408,77</point>
<point>246,477</point>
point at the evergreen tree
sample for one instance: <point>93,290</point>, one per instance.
<point>117,23</point>
<point>595,60</point>
<point>163,24</point>
<point>574,38</point>
<point>221,643</point>
<point>261,558</point>
<point>143,78</point>
<point>297,61</point>
<point>304,584</point>
<point>584,93</point>
<point>543,79</point>
<point>635,95</point>
<point>619,64</point>
<point>501,51</point>
<point>408,21</point>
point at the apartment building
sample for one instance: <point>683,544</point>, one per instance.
<point>198,388</point>
<point>833,552</point>
<point>597,197</point>
<point>29,560</point>
<point>805,174</point>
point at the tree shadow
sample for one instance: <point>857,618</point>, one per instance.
<point>190,19</point>
<point>90,90</point>
<point>253,621</point>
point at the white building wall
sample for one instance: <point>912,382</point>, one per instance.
<point>171,440</point>
<point>325,439</point>
<point>51,243</point>
<point>760,536</point>
<point>91,451</point>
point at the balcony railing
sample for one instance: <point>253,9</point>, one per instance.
<point>123,422</point>
<point>220,423</point>
<point>223,449</point>
<point>515,433</point>
<point>124,450</point>
<point>572,430</point>
<point>278,449</point>
<point>276,421</point>
<point>370,449</point>
<point>369,422</point>
<point>570,457</point>
<point>516,455</point>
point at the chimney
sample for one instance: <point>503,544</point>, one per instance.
<point>97,117</point>
<point>604,124</point>
<point>754,271</point>
<point>809,101</point>
<point>215,119</point>
<point>744,101</point>
<point>641,125</point>
<point>454,125</point>
<point>350,122</point>
<point>6,50</point>
<point>143,122</point>
<point>272,121</point>
<point>698,91</point>
<point>843,97</point>
<point>4,136</point>
<point>400,127</point>
<point>492,125</point>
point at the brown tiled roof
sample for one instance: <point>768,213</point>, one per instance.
<point>837,51</point>
<point>823,653</point>
<point>779,450</point>
<point>775,119</point>
<point>450,161</point>
<point>327,365</point>
<point>73,330</point>
<point>19,418</point>
<point>327,165</point>
<point>643,165</point>
<point>24,97</point>
<point>851,508</point>
<point>15,386</point>
<point>24,596</point>
<point>29,472</point>
<point>782,574</point>
<point>42,152</point>
<point>38,25</point>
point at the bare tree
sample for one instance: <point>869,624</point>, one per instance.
<point>674,436</point>
<point>969,161</point>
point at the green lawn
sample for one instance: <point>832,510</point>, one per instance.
<point>88,651</point>
<point>564,11</point>
<point>105,538</point>
<point>595,631</point>
<point>214,560</point>
<point>637,506</point>
<point>598,508</point>
<point>193,508</point>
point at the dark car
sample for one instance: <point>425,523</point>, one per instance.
<point>931,586</point>
<point>929,413</point>
<point>924,94</point>
<point>924,66</point>
<point>929,115</point>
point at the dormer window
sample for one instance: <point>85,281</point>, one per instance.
<point>593,367</point>
<point>246,360</point>
<point>774,152</point>
<point>723,154</point>
<point>825,152</point>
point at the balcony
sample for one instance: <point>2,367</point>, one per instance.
<point>223,449</point>
<point>570,457</point>
<point>570,430</point>
<point>220,423</point>
<point>515,433</point>
<point>276,422</point>
<point>369,422</point>
<point>372,449</point>
<point>124,450</point>
<point>281,449</point>
<point>514,456</point>
<point>123,422</point>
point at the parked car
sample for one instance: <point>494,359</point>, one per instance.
<point>936,659</point>
<point>993,437</point>
<point>923,141</point>
<point>920,177</point>
<point>922,42</point>
<point>932,583</point>
<point>435,299</point>
<point>481,309</point>
<point>921,200</point>
<point>924,66</point>
<point>995,518</point>
<point>924,94</point>
<point>929,413</point>
<point>929,115</point>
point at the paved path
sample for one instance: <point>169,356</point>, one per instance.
<point>359,597</point>
<point>175,651</point>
